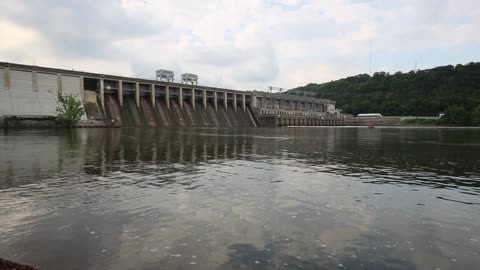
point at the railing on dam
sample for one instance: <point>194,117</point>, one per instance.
<point>292,112</point>
<point>269,117</point>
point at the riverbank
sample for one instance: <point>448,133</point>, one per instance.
<point>399,121</point>
<point>421,122</point>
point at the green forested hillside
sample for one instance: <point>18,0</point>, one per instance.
<point>454,90</point>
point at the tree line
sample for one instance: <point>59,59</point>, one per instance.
<point>452,90</point>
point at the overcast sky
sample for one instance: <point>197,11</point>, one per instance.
<point>247,44</point>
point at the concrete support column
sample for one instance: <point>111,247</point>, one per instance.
<point>6,78</point>
<point>193,98</point>
<point>60,88</point>
<point>167,96</point>
<point>215,100</point>
<point>235,101</point>
<point>225,100</point>
<point>34,81</point>
<point>244,102</point>
<point>120,93</point>
<point>204,98</point>
<point>137,94</point>
<point>180,97</point>
<point>82,88</point>
<point>152,95</point>
<point>102,93</point>
<point>254,101</point>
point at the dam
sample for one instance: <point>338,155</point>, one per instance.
<point>29,92</point>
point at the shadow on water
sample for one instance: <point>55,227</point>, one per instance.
<point>406,157</point>
<point>435,158</point>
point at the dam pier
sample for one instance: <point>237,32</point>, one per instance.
<point>29,92</point>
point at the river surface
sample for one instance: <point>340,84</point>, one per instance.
<point>280,198</point>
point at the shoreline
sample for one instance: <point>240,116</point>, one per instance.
<point>10,265</point>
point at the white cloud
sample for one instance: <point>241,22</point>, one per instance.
<point>243,45</point>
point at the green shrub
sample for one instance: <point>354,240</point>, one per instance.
<point>69,110</point>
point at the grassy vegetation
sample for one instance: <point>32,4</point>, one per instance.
<point>420,122</point>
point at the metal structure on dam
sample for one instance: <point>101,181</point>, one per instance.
<point>29,91</point>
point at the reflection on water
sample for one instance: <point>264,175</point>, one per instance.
<point>285,198</point>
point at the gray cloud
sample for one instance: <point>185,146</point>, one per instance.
<point>84,28</point>
<point>240,44</point>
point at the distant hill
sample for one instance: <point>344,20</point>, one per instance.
<point>451,89</point>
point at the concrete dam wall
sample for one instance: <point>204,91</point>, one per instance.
<point>29,92</point>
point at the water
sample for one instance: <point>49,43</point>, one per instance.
<point>285,198</point>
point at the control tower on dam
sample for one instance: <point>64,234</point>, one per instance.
<point>30,92</point>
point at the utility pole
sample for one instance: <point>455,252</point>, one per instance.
<point>370,57</point>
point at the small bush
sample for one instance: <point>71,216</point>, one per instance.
<point>69,110</point>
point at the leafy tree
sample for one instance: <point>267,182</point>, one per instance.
<point>475,116</point>
<point>69,110</point>
<point>390,107</point>
<point>455,89</point>
<point>456,115</point>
